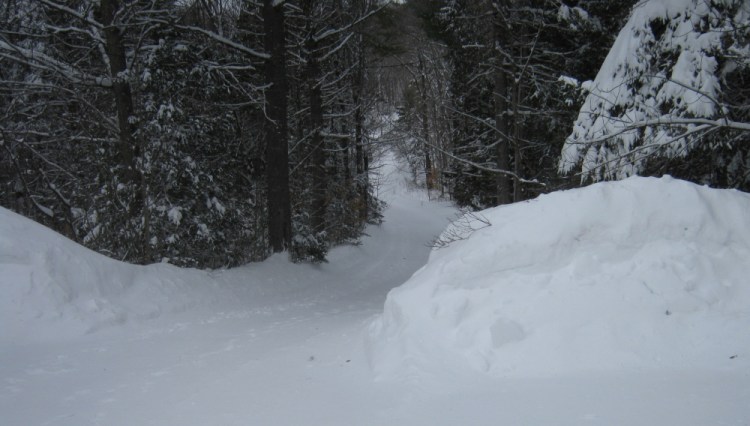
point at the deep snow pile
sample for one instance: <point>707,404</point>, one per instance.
<point>53,288</point>
<point>639,275</point>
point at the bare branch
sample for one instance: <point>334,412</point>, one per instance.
<point>225,41</point>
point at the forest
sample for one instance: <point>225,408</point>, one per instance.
<point>213,133</point>
<point>375,212</point>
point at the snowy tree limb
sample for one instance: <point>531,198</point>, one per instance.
<point>486,168</point>
<point>225,41</point>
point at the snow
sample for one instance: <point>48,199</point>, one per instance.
<point>639,276</point>
<point>175,215</point>
<point>86,340</point>
<point>652,78</point>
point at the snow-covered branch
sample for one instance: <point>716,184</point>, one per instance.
<point>75,14</point>
<point>225,41</point>
<point>487,168</point>
<point>333,31</point>
<point>42,62</point>
<point>664,83</point>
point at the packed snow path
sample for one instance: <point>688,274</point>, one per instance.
<point>288,350</point>
<point>282,344</point>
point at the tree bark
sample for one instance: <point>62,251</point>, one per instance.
<point>115,50</point>
<point>502,181</point>
<point>517,144</point>
<point>428,178</point>
<point>277,146</point>
<point>359,148</point>
<point>128,148</point>
<point>318,153</point>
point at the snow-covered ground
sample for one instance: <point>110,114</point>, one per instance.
<point>85,340</point>
<point>643,275</point>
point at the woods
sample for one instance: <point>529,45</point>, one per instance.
<point>213,133</point>
<point>203,133</point>
<point>505,98</point>
<point>517,74</point>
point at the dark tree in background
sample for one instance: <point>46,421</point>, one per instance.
<point>216,132</point>
<point>168,130</point>
<point>511,108</point>
<point>277,145</point>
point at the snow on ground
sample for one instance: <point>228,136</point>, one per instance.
<point>85,340</point>
<point>642,275</point>
<point>88,340</point>
<point>640,278</point>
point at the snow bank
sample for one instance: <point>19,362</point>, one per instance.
<point>638,275</point>
<point>54,288</point>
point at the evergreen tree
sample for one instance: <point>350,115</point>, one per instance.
<point>163,129</point>
<point>670,98</point>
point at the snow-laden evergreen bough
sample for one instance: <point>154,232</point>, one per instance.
<point>664,85</point>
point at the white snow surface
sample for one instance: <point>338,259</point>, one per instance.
<point>86,340</point>
<point>639,276</point>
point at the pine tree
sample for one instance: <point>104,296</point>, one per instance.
<point>671,88</point>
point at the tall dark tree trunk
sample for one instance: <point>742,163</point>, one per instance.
<point>502,153</point>
<point>359,148</point>
<point>502,150</point>
<point>128,148</point>
<point>425,124</point>
<point>115,50</point>
<point>517,144</point>
<point>358,96</point>
<point>277,146</point>
<point>318,153</point>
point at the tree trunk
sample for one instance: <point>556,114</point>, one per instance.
<point>277,146</point>
<point>425,125</point>
<point>318,153</point>
<point>360,152</point>
<point>115,50</point>
<point>517,144</point>
<point>128,149</point>
<point>502,149</point>
<point>502,181</point>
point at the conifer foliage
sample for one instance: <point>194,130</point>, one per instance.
<point>671,97</point>
<point>204,133</point>
<point>499,86</point>
<point>215,132</point>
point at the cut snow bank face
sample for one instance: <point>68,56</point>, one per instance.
<point>638,275</point>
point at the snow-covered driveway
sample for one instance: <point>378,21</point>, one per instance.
<point>88,341</point>
<point>288,349</point>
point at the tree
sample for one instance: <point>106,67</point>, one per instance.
<point>121,135</point>
<point>672,87</point>
<point>277,143</point>
<point>422,126</point>
<point>81,55</point>
<point>176,129</point>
